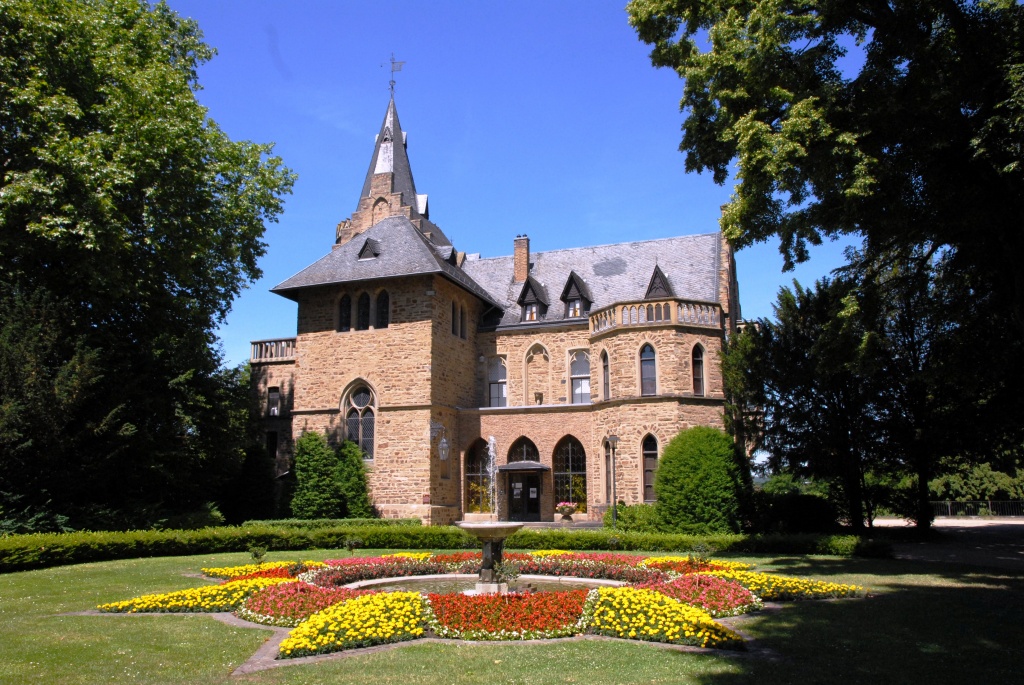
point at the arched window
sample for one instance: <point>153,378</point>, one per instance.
<point>523,449</point>
<point>648,383</point>
<point>478,479</point>
<point>579,373</point>
<point>455,318</point>
<point>345,313</point>
<point>570,473</point>
<point>698,370</point>
<point>383,309</point>
<point>497,384</point>
<point>650,452</point>
<point>606,377</point>
<point>363,312</point>
<point>359,419</point>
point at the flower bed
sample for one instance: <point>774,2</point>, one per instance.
<point>640,614</point>
<point>772,588</point>
<point>289,604</point>
<point>225,597</point>
<point>269,569</point>
<point>688,564</point>
<point>360,622</point>
<point>667,600</point>
<point>717,596</point>
<point>507,617</point>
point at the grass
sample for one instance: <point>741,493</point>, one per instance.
<point>926,623</point>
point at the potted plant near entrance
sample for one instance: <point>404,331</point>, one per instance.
<point>566,509</point>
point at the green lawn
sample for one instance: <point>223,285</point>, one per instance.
<point>923,623</point>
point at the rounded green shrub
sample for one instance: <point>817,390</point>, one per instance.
<point>351,479</point>
<point>698,484</point>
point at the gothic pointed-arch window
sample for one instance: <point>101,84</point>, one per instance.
<point>345,313</point>
<point>383,309</point>
<point>523,449</point>
<point>579,373</point>
<point>363,312</point>
<point>648,374</point>
<point>698,370</point>
<point>478,479</point>
<point>570,472</point>
<point>649,448</point>
<point>359,419</point>
<point>606,379</point>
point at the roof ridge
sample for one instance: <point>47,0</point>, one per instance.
<point>594,247</point>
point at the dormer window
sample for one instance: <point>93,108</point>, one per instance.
<point>576,297</point>
<point>533,300</point>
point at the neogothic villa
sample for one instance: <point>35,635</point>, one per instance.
<point>423,354</point>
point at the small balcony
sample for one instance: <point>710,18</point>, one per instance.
<point>654,313</point>
<point>276,350</point>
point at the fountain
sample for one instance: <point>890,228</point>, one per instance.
<point>492,535</point>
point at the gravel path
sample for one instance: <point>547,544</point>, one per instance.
<point>993,542</point>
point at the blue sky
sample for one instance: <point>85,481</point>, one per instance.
<point>544,118</point>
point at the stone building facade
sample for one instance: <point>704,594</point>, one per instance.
<point>500,385</point>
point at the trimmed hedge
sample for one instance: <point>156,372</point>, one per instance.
<point>331,523</point>
<point>43,550</point>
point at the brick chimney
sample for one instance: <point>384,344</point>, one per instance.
<point>521,258</point>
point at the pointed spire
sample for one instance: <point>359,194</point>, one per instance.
<point>390,157</point>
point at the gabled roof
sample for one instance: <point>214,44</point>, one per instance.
<point>390,156</point>
<point>370,249</point>
<point>403,251</point>
<point>659,285</point>
<point>533,291</point>
<point>574,285</point>
<point>611,273</point>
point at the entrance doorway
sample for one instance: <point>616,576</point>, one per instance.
<point>523,497</point>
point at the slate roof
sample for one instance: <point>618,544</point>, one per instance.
<point>402,251</point>
<point>611,273</point>
<point>390,155</point>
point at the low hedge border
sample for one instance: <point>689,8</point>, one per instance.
<point>331,523</point>
<point>44,550</point>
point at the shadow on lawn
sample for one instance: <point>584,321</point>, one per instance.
<point>956,626</point>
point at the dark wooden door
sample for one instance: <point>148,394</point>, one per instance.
<point>524,497</point>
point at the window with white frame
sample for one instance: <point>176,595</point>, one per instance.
<point>497,383</point>
<point>579,372</point>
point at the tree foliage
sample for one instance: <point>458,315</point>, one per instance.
<point>317,492</point>
<point>698,484</point>
<point>352,483</point>
<point>902,121</point>
<point>879,379</point>
<point>128,211</point>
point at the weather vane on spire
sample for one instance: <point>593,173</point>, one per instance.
<point>395,66</point>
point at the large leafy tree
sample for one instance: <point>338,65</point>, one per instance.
<point>902,120</point>
<point>129,211</point>
<point>879,380</point>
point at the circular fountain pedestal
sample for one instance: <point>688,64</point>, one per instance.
<point>492,535</point>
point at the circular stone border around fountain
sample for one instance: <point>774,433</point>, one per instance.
<point>593,582</point>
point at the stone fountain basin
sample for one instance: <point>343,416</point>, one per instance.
<point>489,531</point>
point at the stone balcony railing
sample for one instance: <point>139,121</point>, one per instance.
<point>647,313</point>
<point>276,350</point>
